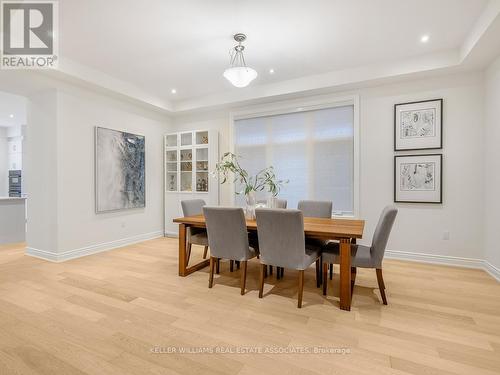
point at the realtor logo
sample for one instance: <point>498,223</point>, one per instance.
<point>29,34</point>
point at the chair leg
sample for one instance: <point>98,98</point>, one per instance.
<point>217,266</point>
<point>331,271</point>
<point>243,276</point>
<point>188,251</point>
<point>237,264</point>
<point>325,281</point>
<point>270,270</point>
<point>231,265</point>
<point>353,279</point>
<point>211,276</point>
<point>261,281</point>
<point>381,285</point>
<point>318,274</point>
<point>301,288</point>
<point>205,252</point>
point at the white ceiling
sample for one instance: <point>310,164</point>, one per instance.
<point>157,45</point>
<point>12,105</point>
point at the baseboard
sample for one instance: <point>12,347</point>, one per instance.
<point>89,250</point>
<point>445,260</point>
<point>171,234</point>
<point>492,270</point>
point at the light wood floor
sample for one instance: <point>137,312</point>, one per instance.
<point>104,314</point>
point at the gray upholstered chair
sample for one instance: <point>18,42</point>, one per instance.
<point>197,236</point>
<point>280,203</point>
<point>322,209</point>
<point>282,244</point>
<point>228,239</point>
<point>364,256</point>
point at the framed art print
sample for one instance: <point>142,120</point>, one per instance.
<point>418,125</point>
<point>418,178</point>
<point>120,174</point>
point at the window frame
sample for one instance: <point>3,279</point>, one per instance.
<point>302,105</point>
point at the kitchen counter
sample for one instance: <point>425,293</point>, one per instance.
<point>12,219</point>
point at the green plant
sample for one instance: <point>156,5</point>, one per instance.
<point>266,178</point>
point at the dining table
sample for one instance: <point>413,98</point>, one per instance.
<point>344,230</point>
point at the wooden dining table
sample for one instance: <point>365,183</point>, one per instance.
<point>346,231</point>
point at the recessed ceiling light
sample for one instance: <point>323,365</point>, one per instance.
<point>271,71</point>
<point>11,116</point>
<point>424,38</point>
<point>173,91</point>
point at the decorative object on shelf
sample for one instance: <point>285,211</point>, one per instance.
<point>120,170</point>
<point>172,182</point>
<point>186,166</point>
<point>239,74</point>
<point>265,179</point>
<point>418,178</point>
<point>418,125</point>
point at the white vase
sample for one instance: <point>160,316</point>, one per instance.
<point>250,208</point>
<point>272,202</point>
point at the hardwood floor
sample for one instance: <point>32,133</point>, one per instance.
<point>119,312</point>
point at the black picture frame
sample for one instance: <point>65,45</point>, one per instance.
<point>440,179</point>
<point>441,125</point>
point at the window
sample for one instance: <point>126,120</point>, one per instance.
<point>313,149</point>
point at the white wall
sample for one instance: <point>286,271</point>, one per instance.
<point>419,227</point>
<point>41,171</point>
<point>4,180</point>
<point>79,112</point>
<point>492,164</point>
<point>62,222</point>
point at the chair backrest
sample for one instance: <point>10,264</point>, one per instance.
<point>192,207</point>
<point>322,209</point>
<point>382,232</point>
<point>280,203</point>
<point>227,232</point>
<point>281,237</point>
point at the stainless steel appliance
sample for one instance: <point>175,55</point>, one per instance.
<point>15,183</point>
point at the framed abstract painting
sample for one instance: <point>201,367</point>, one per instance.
<point>120,170</point>
<point>418,125</point>
<point>418,178</point>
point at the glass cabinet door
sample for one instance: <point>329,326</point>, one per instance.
<point>172,140</point>
<point>202,169</point>
<point>186,139</point>
<point>186,163</point>
<point>171,159</point>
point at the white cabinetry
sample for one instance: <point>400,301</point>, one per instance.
<point>189,157</point>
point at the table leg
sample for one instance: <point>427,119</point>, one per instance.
<point>182,250</point>
<point>345,274</point>
<point>183,269</point>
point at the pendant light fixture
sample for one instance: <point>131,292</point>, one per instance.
<point>239,74</point>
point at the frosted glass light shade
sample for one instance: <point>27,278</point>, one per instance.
<point>240,76</point>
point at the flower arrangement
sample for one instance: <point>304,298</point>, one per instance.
<point>264,179</point>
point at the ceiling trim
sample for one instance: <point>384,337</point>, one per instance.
<point>450,59</point>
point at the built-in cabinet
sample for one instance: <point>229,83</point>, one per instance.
<point>190,157</point>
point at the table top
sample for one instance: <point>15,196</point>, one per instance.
<point>313,227</point>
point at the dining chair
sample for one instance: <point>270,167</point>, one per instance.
<point>364,256</point>
<point>321,209</point>
<point>228,239</point>
<point>282,244</point>
<point>280,203</point>
<point>196,236</point>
